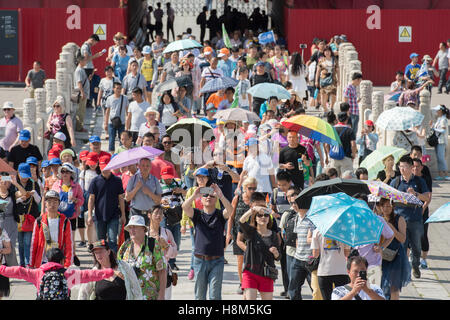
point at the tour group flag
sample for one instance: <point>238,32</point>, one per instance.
<point>226,39</point>
<point>266,37</point>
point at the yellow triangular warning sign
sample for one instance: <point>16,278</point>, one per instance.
<point>100,31</point>
<point>405,33</point>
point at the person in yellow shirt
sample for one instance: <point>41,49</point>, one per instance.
<point>147,70</point>
<point>202,180</point>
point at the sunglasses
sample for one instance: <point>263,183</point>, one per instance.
<point>167,142</point>
<point>251,188</point>
<point>56,106</point>
<point>7,109</point>
<point>65,171</point>
<point>264,215</point>
<point>208,195</point>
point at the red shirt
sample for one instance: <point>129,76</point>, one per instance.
<point>158,164</point>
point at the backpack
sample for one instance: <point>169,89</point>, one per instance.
<point>54,286</point>
<point>337,152</point>
<point>289,236</point>
<point>66,208</point>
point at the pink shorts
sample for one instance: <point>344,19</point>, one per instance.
<point>254,281</point>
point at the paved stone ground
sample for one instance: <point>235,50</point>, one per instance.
<point>434,284</point>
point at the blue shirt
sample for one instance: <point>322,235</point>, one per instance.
<point>141,201</point>
<point>122,64</point>
<point>212,122</point>
<point>411,71</point>
<point>106,192</point>
<point>411,214</point>
<point>226,67</point>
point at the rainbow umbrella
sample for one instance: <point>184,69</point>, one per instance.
<point>314,128</point>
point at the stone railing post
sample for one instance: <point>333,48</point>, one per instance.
<point>424,108</point>
<point>62,87</point>
<point>377,105</point>
<point>51,92</point>
<point>388,135</point>
<point>343,47</point>
<point>366,89</point>
<point>41,107</point>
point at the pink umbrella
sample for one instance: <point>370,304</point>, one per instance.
<point>132,156</point>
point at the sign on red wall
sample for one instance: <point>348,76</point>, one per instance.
<point>44,31</point>
<point>380,51</point>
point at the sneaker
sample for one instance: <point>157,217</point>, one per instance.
<point>439,178</point>
<point>240,290</point>
<point>416,273</point>
<point>175,267</point>
<point>82,244</point>
<point>447,178</point>
<point>439,92</point>
<point>423,264</point>
<point>283,294</point>
<point>76,261</point>
<point>191,274</point>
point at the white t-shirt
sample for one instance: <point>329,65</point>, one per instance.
<point>53,226</point>
<point>258,168</point>
<point>332,257</point>
<point>137,111</point>
<point>86,178</point>
<point>340,292</point>
<point>167,118</point>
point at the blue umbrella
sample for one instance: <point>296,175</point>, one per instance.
<point>266,90</point>
<point>218,84</point>
<point>181,45</point>
<point>440,215</point>
<point>345,219</point>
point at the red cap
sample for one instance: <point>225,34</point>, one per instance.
<point>83,155</point>
<point>92,159</point>
<point>103,161</point>
<point>53,153</point>
<point>167,172</point>
<point>369,123</point>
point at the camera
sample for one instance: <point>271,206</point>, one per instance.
<point>303,46</point>
<point>363,275</point>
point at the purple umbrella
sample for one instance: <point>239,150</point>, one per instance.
<point>132,156</point>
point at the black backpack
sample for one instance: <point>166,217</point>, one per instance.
<point>54,286</point>
<point>289,236</point>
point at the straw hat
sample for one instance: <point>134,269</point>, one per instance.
<point>119,35</point>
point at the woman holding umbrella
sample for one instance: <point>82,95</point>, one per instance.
<point>388,173</point>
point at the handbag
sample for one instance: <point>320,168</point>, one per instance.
<point>328,80</point>
<point>27,220</point>
<point>312,264</point>
<point>270,272</point>
<point>432,138</point>
<point>389,254</point>
<point>117,121</point>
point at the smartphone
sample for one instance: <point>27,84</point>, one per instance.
<point>363,275</point>
<point>6,178</point>
<point>104,51</point>
<point>206,190</point>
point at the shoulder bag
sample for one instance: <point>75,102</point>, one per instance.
<point>27,220</point>
<point>268,271</point>
<point>432,138</point>
<point>328,80</point>
<point>389,254</point>
<point>117,121</point>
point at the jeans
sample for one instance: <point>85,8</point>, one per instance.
<point>176,236</point>
<point>414,232</point>
<point>298,274</point>
<point>208,273</point>
<point>284,270</point>
<point>326,284</point>
<point>192,232</point>
<point>108,230</point>
<point>112,135</point>
<point>440,157</point>
<point>289,261</point>
<point>442,79</point>
<point>24,239</point>
<point>354,118</point>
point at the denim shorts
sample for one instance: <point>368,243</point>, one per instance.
<point>148,87</point>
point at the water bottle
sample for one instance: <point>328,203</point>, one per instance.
<point>316,93</point>
<point>70,195</point>
<point>300,164</point>
<point>220,174</point>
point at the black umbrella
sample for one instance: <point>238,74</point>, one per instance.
<point>348,186</point>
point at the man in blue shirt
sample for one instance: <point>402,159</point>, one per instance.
<point>412,69</point>
<point>225,64</point>
<point>210,112</point>
<point>407,182</point>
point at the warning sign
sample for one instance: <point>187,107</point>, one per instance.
<point>405,34</point>
<point>100,30</point>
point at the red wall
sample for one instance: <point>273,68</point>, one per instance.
<point>59,3</point>
<point>43,33</point>
<point>379,50</point>
<point>363,4</point>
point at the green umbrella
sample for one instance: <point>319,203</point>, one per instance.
<point>374,161</point>
<point>190,131</point>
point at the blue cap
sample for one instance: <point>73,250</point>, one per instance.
<point>32,160</point>
<point>202,172</point>
<point>24,135</point>
<point>45,164</point>
<point>146,50</point>
<point>412,55</point>
<point>55,161</point>
<point>259,63</point>
<point>94,139</point>
<point>251,142</point>
<point>24,170</point>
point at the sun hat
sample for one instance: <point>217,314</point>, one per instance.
<point>69,167</point>
<point>24,135</point>
<point>427,57</point>
<point>146,50</point>
<point>24,170</point>
<point>167,172</point>
<point>8,105</point>
<point>136,220</point>
<point>52,194</point>
<point>119,35</point>
<point>151,110</point>
<point>67,151</point>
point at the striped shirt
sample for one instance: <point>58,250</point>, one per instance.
<point>303,251</point>
<point>167,190</point>
<point>350,93</point>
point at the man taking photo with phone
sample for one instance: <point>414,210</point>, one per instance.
<point>358,288</point>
